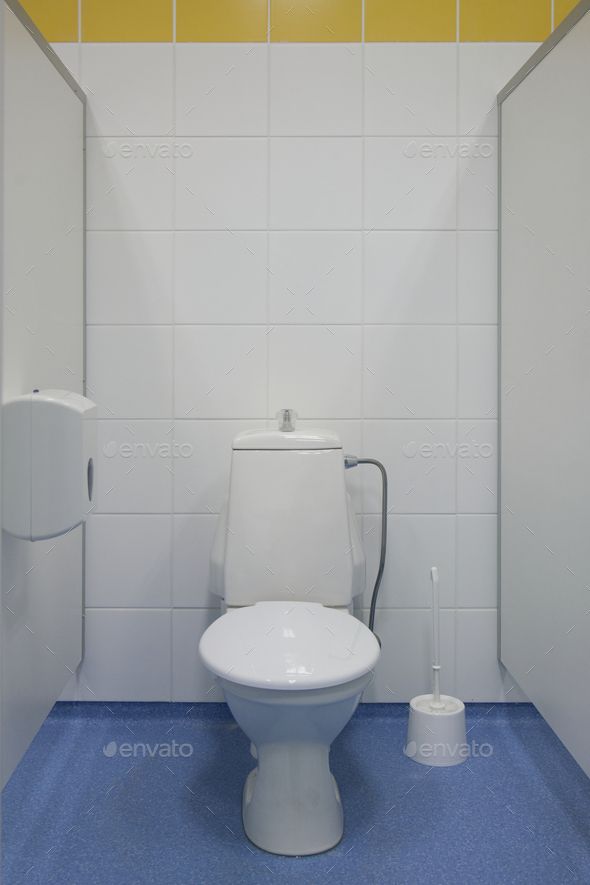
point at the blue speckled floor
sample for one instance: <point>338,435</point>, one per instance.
<point>74,815</point>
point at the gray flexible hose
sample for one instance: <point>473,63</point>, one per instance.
<point>353,461</point>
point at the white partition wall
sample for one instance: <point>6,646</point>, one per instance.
<point>42,347</point>
<point>545,381</point>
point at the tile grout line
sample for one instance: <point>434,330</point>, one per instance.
<point>397,609</point>
<point>401,513</point>
<point>173,428</point>
<point>291,230</point>
<point>268,204</point>
<point>244,136</point>
<point>457,333</point>
<point>300,325</point>
<point>449,419</point>
<point>164,608</point>
<point>363,248</point>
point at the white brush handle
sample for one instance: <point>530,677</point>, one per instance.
<point>436,701</point>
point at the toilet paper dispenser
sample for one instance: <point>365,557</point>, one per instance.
<point>48,462</point>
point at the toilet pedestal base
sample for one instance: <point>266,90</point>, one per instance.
<point>291,803</point>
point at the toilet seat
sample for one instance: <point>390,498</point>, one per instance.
<point>289,645</point>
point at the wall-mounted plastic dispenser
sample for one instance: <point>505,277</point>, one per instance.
<point>49,453</point>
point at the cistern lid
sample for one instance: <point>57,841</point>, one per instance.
<point>289,645</point>
<point>279,440</point>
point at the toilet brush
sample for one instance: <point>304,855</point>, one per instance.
<point>436,727</point>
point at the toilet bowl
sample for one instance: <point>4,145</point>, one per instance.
<point>292,674</point>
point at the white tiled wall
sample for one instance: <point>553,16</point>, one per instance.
<point>311,226</point>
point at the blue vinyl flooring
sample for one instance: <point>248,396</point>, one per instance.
<point>77,812</point>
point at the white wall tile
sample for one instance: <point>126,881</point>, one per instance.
<point>220,371</point>
<point>410,277</point>
<point>130,183</point>
<point>414,545</point>
<point>129,277</point>
<point>222,183</point>
<point>221,89</point>
<point>127,656</point>
<point>220,276</point>
<point>404,668</point>
<point>201,480</point>
<point>480,676</point>
<point>316,89</point>
<point>191,680</point>
<point>315,183</point>
<point>418,281</point>
<point>477,561</point>
<point>409,371</point>
<point>410,88</point>
<point>128,561</point>
<point>477,283</point>
<point>477,466</point>
<point>130,370</point>
<point>419,457</point>
<point>192,541</point>
<point>316,370</point>
<point>478,371</point>
<point>69,55</point>
<point>129,87</point>
<point>315,276</point>
<point>410,183</point>
<point>134,470</point>
<point>478,184</point>
<point>484,68</point>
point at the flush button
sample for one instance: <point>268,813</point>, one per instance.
<point>287,418</point>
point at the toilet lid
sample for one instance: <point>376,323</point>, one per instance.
<point>294,645</point>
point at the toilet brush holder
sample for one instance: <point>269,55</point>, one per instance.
<point>436,727</point>
<point>436,737</point>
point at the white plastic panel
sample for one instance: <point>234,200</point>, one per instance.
<point>545,367</point>
<point>42,347</point>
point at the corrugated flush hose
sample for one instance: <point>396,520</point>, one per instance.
<point>353,461</point>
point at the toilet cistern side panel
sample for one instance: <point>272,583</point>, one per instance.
<point>359,576</point>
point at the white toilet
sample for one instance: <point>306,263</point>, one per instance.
<point>291,658</point>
